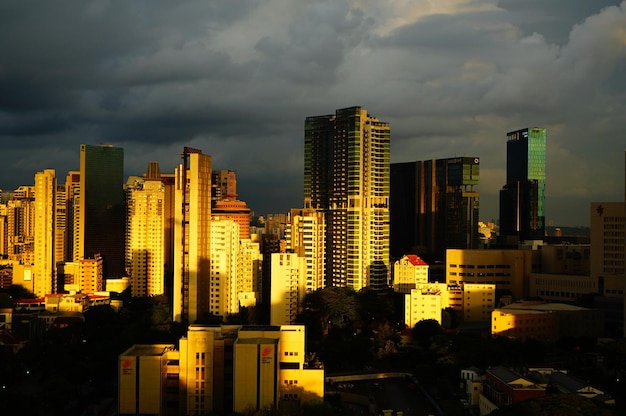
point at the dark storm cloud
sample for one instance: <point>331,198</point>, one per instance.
<point>236,79</point>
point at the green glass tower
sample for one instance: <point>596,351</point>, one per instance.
<point>346,175</point>
<point>522,199</point>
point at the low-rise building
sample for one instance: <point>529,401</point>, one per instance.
<point>546,321</point>
<point>502,387</point>
<point>220,369</point>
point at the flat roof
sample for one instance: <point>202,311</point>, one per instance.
<point>148,349</point>
<point>543,306</point>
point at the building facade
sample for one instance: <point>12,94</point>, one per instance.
<point>434,206</point>
<point>221,369</point>
<point>192,233</point>
<point>101,214</point>
<point>409,272</point>
<point>508,269</point>
<point>522,199</point>
<point>346,176</point>
<point>288,287</point>
<point>305,236</point>
<point>45,232</point>
<point>145,232</point>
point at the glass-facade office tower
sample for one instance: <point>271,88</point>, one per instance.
<point>434,207</point>
<point>346,175</point>
<point>99,225</point>
<point>522,198</point>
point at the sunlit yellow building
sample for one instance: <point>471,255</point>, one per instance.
<point>425,303</point>
<point>305,236</point>
<point>546,321</point>
<point>472,302</point>
<point>288,287</point>
<point>148,380</point>
<point>145,232</point>
<point>508,269</point>
<point>192,231</point>
<point>220,369</point>
<point>44,244</point>
<point>409,272</point>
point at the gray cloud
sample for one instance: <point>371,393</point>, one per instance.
<point>237,79</point>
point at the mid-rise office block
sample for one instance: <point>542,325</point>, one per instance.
<point>608,232</point>
<point>44,244</point>
<point>145,233</point>
<point>508,269</point>
<point>434,206</point>
<point>522,199</point>
<point>220,369</point>
<point>206,376</point>
<point>471,302</point>
<point>346,176</point>
<point>101,213</point>
<point>192,234</point>
<point>424,303</point>
<point>148,380</point>
<point>546,321</point>
<point>288,287</point>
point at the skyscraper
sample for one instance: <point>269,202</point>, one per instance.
<point>145,232</point>
<point>346,175</point>
<point>44,244</point>
<point>434,207</point>
<point>192,236</point>
<point>100,222</point>
<point>522,198</point>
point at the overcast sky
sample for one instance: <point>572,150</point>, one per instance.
<point>237,78</point>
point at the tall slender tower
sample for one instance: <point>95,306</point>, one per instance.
<point>346,175</point>
<point>192,236</point>
<point>44,245</point>
<point>101,212</point>
<point>145,232</point>
<point>522,198</point>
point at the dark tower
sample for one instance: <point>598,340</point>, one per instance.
<point>102,206</point>
<point>434,207</point>
<point>522,198</point>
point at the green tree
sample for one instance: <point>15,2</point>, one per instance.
<point>425,330</point>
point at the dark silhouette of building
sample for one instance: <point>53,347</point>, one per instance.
<point>434,207</point>
<point>101,215</point>
<point>522,198</point>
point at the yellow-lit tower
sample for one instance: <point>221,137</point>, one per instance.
<point>44,246</point>
<point>192,226</point>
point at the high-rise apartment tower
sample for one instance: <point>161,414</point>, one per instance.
<point>192,229</point>
<point>346,175</point>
